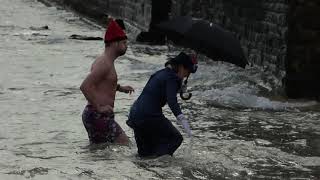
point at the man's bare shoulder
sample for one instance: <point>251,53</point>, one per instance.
<point>102,63</point>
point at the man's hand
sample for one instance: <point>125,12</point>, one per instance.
<point>104,109</point>
<point>126,89</point>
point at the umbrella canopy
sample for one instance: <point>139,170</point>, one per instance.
<point>215,42</point>
<point>175,28</point>
<point>205,37</point>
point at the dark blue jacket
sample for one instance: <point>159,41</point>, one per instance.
<point>161,88</point>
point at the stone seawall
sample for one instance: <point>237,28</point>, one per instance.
<point>261,26</point>
<point>280,36</point>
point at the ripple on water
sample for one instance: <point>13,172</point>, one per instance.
<point>30,173</point>
<point>62,92</point>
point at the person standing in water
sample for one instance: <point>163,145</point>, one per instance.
<point>99,88</point>
<point>154,133</point>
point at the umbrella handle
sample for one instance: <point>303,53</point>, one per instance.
<point>183,91</point>
<point>185,98</point>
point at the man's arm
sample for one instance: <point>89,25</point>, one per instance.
<point>88,86</point>
<point>125,89</point>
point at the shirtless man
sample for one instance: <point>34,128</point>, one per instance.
<point>99,88</point>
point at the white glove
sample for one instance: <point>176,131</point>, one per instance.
<point>185,124</point>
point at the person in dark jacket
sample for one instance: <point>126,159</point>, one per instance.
<point>154,133</point>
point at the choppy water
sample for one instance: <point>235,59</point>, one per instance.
<point>241,130</point>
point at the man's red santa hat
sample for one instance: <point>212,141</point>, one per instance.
<point>114,32</point>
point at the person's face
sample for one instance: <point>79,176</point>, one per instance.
<point>122,47</point>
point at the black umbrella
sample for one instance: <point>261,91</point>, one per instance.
<point>207,38</point>
<point>215,42</point>
<point>175,28</point>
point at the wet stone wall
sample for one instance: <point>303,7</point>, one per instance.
<point>261,26</point>
<point>137,12</point>
<point>94,9</point>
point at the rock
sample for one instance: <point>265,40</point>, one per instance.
<point>82,37</point>
<point>151,38</point>
<point>39,28</point>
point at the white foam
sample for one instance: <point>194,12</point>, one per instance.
<point>234,98</point>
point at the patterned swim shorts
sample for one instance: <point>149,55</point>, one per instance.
<point>101,127</point>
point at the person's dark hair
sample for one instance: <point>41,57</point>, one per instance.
<point>172,64</point>
<point>107,44</point>
<point>188,61</point>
